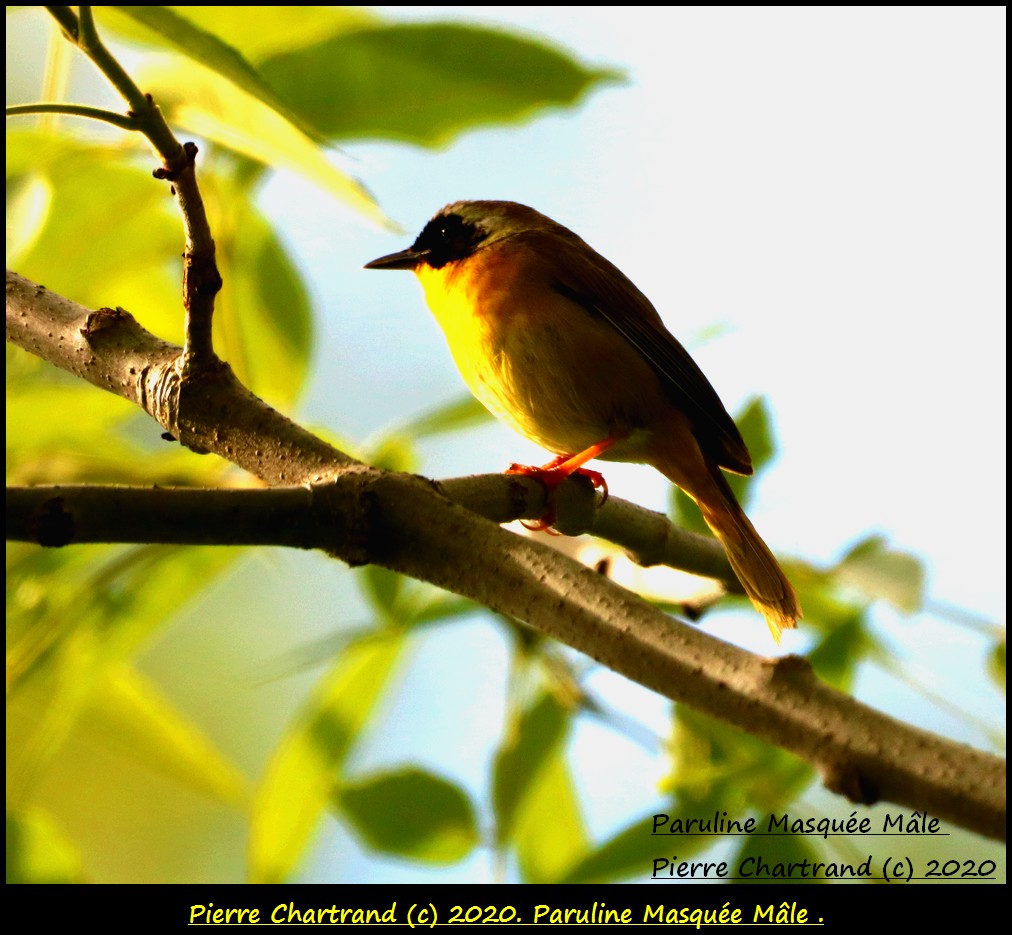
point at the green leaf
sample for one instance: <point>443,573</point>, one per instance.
<point>37,851</point>
<point>685,513</point>
<point>530,745</point>
<point>29,200</point>
<point>882,573</point>
<point>394,452</point>
<point>412,814</point>
<point>255,31</point>
<point>426,83</point>
<point>108,598</point>
<point>33,425</point>
<point>63,430</point>
<point>383,589</point>
<point>74,616</point>
<point>404,603</point>
<point>462,413</point>
<point>843,642</point>
<point>79,252</point>
<point>263,318</point>
<point>444,607</point>
<point>786,848</point>
<point>213,52</point>
<point>202,102</point>
<point>754,423</point>
<point>300,777</point>
<point>756,427</point>
<point>718,767</point>
<point>549,831</point>
<point>628,853</point>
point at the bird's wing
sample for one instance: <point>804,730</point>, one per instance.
<point>603,290</point>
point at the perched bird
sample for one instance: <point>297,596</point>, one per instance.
<point>557,342</point>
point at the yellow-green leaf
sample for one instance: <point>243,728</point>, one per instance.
<point>129,713</point>
<point>263,323</point>
<point>884,573</point>
<point>302,773</point>
<point>550,834</point>
<point>212,51</point>
<point>461,413</point>
<point>255,31</point>
<point>202,102</point>
<point>37,851</point>
<point>531,742</point>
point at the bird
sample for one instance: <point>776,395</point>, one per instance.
<point>558,343</point>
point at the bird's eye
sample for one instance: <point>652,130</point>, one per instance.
<point>446,239</point>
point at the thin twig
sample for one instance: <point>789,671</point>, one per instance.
<point>201,278</point>
<point>75,110</point>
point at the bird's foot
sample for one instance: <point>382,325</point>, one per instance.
<point>551,475</point>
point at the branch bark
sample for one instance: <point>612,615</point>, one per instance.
<point>407,524</point>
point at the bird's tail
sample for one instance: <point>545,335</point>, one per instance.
<point>759,572</point>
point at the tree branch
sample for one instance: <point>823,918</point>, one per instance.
<point>208,411</point>
<point>201,279</point>
<point>279,516</point>
<point>406,524</point>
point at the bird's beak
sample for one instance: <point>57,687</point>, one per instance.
<point>406,259</point>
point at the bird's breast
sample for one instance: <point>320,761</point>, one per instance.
<point>556,373</point>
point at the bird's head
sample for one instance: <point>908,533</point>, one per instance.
<point>461,229</point>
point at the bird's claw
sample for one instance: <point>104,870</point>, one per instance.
<point>551,475</point>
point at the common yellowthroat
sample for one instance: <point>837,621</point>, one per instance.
<point>557,342</point>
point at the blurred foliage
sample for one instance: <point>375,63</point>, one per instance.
<point>272,87</point>
<point>37,852</point>
<point>299,780</point>
<point>412,814</point>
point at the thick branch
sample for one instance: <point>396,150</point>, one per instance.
<point>404,523</point>
<point>68,515</point>
<point>209,411</point>
<point>279,516</point>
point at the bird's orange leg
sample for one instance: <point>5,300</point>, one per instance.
<point>556,471</point>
